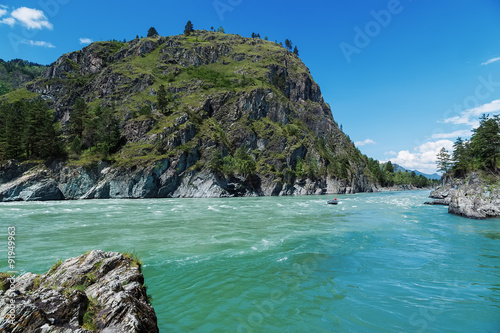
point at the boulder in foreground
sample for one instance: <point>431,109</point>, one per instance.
<point>95,292</point>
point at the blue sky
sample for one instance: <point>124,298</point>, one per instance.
<point>403,77</point>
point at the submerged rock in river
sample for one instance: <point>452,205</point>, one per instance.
<point>98,291</point>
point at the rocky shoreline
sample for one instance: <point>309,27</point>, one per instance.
<point>470,197</point>
<point>35,182</point>
<point>95,292</point>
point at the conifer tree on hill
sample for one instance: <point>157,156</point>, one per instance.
<point>152,32</point>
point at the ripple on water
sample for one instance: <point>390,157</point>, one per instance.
<point>211,264</point>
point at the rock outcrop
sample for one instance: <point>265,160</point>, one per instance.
<point>471,197</point>
<point>95,292</point>
<point>226,95</point>
<point>33,185</point>
<point>162,180</point>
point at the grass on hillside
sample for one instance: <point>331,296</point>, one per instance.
<point>18,94</point>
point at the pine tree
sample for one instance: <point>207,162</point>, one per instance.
<point>389,167</point>
<point>152,32</point>
<point>216,163</point>
<point>50,145</point>
<point>76,145</point>
<point>109,134</point>
<point>14,131</point>
<point>28,130</point>
<point>162,98</point>
<point>3,143</point>
<point>188,29</point>
<point>296,51</point>
<point>443,161</point>
<point>31,129</point>
<point>77,117</point>
<point>46,139</point>
<point>90,135</point>
<point>485,142</point>
<point>288,44</point>
<point>462,157</point>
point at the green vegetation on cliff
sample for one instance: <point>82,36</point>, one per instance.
<point>16,72</point>
<point>27,130</point>
<point>239,107</point>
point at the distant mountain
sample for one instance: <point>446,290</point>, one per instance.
<point>426,175</point>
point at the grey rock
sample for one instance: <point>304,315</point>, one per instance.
<point>437,202</point>
<point>33,185</point>
<point>470,197</point>
<point>105,288</point>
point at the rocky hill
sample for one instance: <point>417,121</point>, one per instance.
<point>209,114</point>
<point>95,292</point>
<point>476,195</point>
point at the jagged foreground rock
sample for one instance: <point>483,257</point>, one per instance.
<point>471,197</point>
<point>98,291</point>
<point>225,92</point>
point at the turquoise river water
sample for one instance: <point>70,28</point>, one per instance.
<point>380,262</point>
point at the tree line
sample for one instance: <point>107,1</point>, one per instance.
<point>385,175</point>
<point>481,152</point>
<point>189,29</point>
<point>96,129</point>
<point>28,131</point>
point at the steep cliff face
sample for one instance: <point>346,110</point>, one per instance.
<point>95,292</point>
<point>243,117</point>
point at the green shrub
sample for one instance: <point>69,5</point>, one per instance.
<point>208,75</point>
<point>55,266</point>
<point>89,317</point>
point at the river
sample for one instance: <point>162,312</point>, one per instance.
<point>380,262</point>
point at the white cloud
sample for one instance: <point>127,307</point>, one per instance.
<point>31,18</point>
<point>490,61</point>
<point>424,157</point>
<point>452,135</point>
<point>37,43</point>
<point>392,152</point>
<point>492,107</point>
<point>461,120</point>
<point>364,143</point>
<point>2,11</point>
<point>85,40</point>
<point>465,117</point>
<point>9,21</point>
